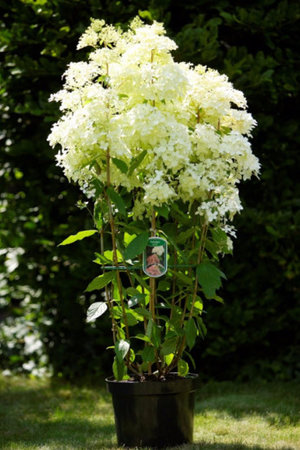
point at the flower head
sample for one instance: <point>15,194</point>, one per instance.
<point>187,126</point>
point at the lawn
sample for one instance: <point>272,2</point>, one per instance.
<point>40,414</point>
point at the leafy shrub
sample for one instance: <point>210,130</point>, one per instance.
<point>257,332</point>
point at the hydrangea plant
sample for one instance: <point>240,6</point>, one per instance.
<point>159,147</point>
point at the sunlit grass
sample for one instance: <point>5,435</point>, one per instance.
<point>40,414</point>
<point>262,416</point>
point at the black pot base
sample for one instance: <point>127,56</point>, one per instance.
<point>152,413</point>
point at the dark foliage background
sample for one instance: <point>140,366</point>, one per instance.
<point>42,309</point>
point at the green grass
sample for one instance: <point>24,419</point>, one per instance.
<point>40,414</point>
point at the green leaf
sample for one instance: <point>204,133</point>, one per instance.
<point>149,329</point>
<point>128,238</point>
<point>98,186</point>
<point>131,355</point>
<point>121,332</point>
<point>117,200</point>
<point>117,312</point>
<point>201,327</point>
<point>212,247</point>
<point>98,216</point>
<point>141,281</point>
<point>100,259</point>
<point>183,368</point>
<point>170,335</point>
<point>169,346</point>
<point>78,236</point>
<point>198,305</point>
<point>190,332</point>
<point>133,317</point>
<point>191,359</point>
<point>131,320</point>
<point>221,239</point>
<point>209,278</point>
<point>101,281</point>
<point>184,236</point>
<point>143,312</point>
<point>121,348</point>
<point>146,15</point>
<point>96,310</point>
<point>148,354</point>
<point>169,358</point>
<point>109,255</point>
<point>136,162</point>
<point>218,299</point>
<point>135,300</point>
<point>119,369</point>
<point>219,236</point>
<point>132,291</point>
<point>168,233</point>
<point>163,286</point>
<point>142,337</point>
<point>181,276</point>
<point>121,165</point>
<point>163,211</point>
<point>156,332</point>
<point>183,217</point>
<point>137,246</point>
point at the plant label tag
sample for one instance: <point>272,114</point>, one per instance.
<point>155,257</point>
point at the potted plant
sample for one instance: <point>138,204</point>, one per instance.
<point>159,148</point>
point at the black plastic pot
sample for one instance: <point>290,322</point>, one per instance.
<point>154,413</point>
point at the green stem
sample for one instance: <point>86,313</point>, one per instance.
<point>107,294</point>
<point>174,282</point>
<point>115,256</point>
<point>200,256</point>
<point>152,284</point>
<point>199,259</point>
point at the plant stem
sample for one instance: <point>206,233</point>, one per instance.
<point>181,343</point>
<point>152,284</point>
<point>152,298</point>
<point>115,256</point>
<point>143,292</point>
<point>199,259</point>
<point>174,281</point>
<point>194,232</point>
<point>115,330</point>
<point>107,294</point>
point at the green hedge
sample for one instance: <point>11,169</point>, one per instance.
<point>42,308</point>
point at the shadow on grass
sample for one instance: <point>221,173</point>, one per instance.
<point>57,417</point>
<point>63,416</point>
<point>70,433</point>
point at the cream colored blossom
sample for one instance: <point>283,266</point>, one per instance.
<point>239,120</point>
<point>132,98</point>
<point>79,74</point>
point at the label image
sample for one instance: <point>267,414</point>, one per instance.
<point>155,257</point>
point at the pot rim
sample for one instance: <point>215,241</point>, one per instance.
<point>189,383</point>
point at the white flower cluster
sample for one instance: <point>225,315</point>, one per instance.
<point>132,97</point>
